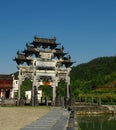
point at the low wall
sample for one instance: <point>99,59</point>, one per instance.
<point>8,102</point>
<point>94,109</point>
<point>72,122</point>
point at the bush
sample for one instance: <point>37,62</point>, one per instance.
<point>104,100</point>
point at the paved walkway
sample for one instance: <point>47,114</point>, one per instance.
<point>56,119</point>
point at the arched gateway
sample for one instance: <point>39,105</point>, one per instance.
<point>44,63</point>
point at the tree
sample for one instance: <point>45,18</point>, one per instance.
<point>26,86</point>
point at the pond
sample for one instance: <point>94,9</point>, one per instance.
<point>97,122</point>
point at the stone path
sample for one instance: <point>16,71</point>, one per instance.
<point>56,119</point>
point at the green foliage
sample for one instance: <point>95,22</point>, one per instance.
<point>95,74</point>
<point>104,100</point>
<point>47,91</point>
<point>26,85</point>
<point>62,88</point>
<point>16,95</point>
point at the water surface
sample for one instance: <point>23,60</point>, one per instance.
<point>97,122</point>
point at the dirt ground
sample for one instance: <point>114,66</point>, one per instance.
<point>15,118</point>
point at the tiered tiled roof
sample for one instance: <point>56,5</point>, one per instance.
<point>39,45</point>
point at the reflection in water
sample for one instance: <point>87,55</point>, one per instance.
<point>97,122</point>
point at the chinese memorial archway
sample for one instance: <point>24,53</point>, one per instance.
<point>45,64</point>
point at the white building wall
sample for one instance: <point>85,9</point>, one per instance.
<point>28,95</point>
<point>15,88</point>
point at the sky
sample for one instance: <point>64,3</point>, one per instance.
<point>86,28</point>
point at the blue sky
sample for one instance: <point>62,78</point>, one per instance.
<point>86,28</point>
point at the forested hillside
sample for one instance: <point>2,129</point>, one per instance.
<point>98,73</point>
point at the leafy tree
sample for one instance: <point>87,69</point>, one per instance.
<point>47,91</point>
<point>26,86</point>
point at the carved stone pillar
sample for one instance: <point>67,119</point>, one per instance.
<point>68,87</point>
<point>35,96</point>
<point>68,95</point>
<point>32,96</point>
<point>55,85</point>
<point>54,95</point>
<point>19,102</point>
<point>34,93</point>
<point>58,98</point>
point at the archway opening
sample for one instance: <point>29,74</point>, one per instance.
<point>46,98</point>
<point>26,90</point>
<point>62,88</point>
<point>7,93</point>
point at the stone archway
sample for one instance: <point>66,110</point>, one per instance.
<point>49,62</point>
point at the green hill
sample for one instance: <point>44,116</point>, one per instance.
<point>97,77</point>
